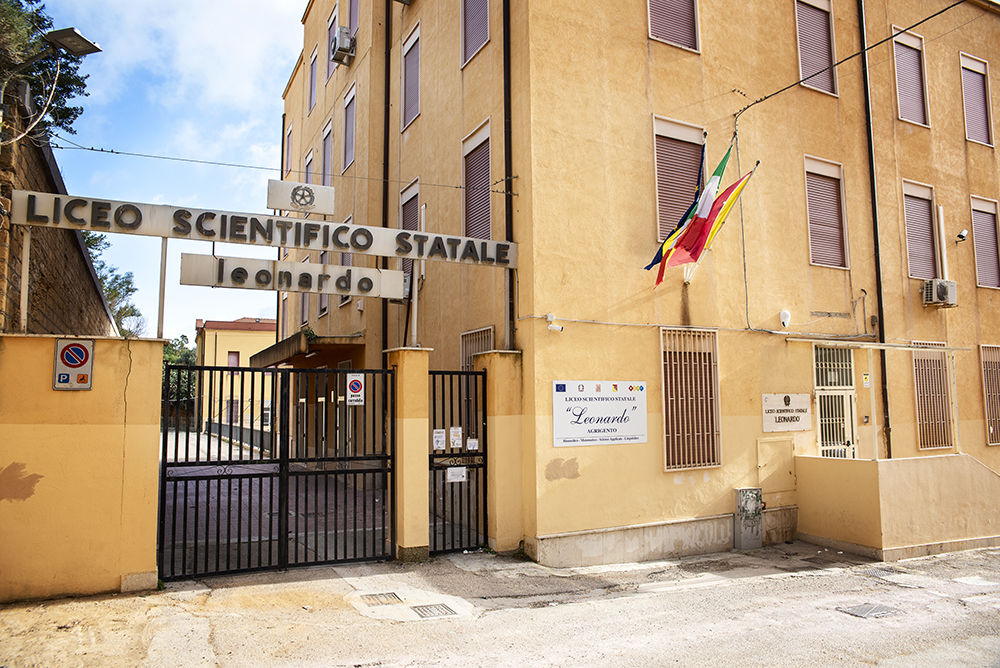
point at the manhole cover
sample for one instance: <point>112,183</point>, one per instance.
<point>435,610</point>
<point>381,599</point>
<point>871,610</point>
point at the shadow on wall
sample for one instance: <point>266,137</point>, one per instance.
<point>15,484</point>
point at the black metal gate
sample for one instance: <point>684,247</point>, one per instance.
<point>271,468</point>
<point>457,460</point>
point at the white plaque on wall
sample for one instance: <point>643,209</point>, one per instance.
<point>787,412</point>
<point>598,412</point>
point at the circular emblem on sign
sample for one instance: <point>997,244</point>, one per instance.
<point>303,197</point>
<point>355,386</point>
<point>74,355</point>
<point>788,400</point>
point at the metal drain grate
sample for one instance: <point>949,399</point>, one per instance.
<point>871,610</point>
<point>381,599</point>
<point>881,572</point>
<point>435,610</point>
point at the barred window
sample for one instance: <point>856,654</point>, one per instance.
<point>991,391</point>
<point>691,398</point>
<point>930,374</point>
<point>475,342</point>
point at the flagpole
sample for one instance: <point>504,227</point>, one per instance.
<point>689,276</point>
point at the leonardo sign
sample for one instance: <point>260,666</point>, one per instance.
<point>603,412</point>
<point>787,412</point>
<point>166,221</point>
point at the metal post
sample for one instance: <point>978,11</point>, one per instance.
<point>282,434</point>
<point>25,265</point>
<point>163,287</point>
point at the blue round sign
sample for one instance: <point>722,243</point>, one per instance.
<point>74,355</point>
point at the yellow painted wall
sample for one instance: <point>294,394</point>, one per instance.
<point>78,470</point>
<point>839,500</point>
<point>505,456</point>
<point>412,446</point>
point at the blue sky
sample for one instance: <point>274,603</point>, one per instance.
<point>189,79</point>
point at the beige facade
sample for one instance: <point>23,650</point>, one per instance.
<point>596,91</point>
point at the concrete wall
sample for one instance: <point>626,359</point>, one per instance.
<point>78,471</point>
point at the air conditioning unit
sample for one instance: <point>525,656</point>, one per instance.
<point>407,278</point>
<point>342,48</point>
<point>939,292</point>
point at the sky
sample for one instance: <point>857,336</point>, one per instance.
<point>183,79</point>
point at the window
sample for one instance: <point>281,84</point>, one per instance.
<point>234,358</point>
<point>304,301</point>
<point>991,391</point>
<point>324,298</point>
<point>349,129</point>
<point>327,154</point>
<point>674,22</point>
<point>409,219</point>
<point>984,235</point>
<point>816,56</point>
<point>352,16</point>
<point>910,85</point>
<point>475,342</point>
<point>835,399</point>
<point>930,374</point>
<point>921,245</point>
<point>824,204</point>
<point>309,168</point>
<point>679,151</point>
<point>331,35</point>
<point>284,316</point>
<point>345,261</point>
<point>476,150</point>
<point>411,77</point>
<point>475,27</point>
<point>690,398</point>
<point>976,93</point>
<point>312,81</point>
<point>288,150</point>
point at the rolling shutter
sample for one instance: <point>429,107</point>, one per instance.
<point>984,233</point>
<point>677,165</point>
<point>477,27</point>
<point>977,118</point>
<point>411,83</point>
<point>674,21</point>
<point>477,192</point>
<point>411,222</point>
<point>349,133</point>
<point>826,224</point>
<point>815,47</point>
<point>920,237</point>
<point>910,83</point>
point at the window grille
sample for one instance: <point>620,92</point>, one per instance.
<point>835,402</point>
<point>475,342</point>
<point>691,399</point>
<point>674,21</point>
<point>815,46</point>
<point>930,373</point>
<point>834,368</point>
<point>991,392</point>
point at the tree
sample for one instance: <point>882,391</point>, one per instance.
<point>22,26</point>
<point>118,288</point>
<point>182,384</point>
<point>176,352</point>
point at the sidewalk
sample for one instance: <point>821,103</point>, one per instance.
<point>793,604</point>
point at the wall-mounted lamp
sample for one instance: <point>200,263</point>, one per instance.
<point>963,235</point>
<point>786,318</point>
<point>551,320</point>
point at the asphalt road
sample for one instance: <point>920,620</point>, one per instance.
<point>785,605</point>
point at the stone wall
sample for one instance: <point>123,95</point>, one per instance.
<point>64,295</point>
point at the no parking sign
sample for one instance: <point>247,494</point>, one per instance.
<point>355,389</point>
<point>74,365</point>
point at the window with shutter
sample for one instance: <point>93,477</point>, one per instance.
<point>918,212</point>
<point>691,398</point>
<point>477,185</point>
<point>910,88</point>
<point>814,22</point>
<point>825,212</point>
<point>309,168</point>
<point>930,373</point>
<point>674,22</point>
<point>410,219</point>
<point>475,27</point>
<point>984,235</point>
<point>331,35</point>
<point>324,298</point>
<point>352,19</point>
<point>678,154</point>
<point>304,303</point>
<point>312,81</point>
<point>327,154</point>
<point>345,261</point>
<point>288,150</point>
<point>975,91</point>
<point>349,130</point>
<point>991,392</point>
<point>411,78</point>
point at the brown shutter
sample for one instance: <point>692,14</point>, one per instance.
<point>977,118</point>
<point>826,223</point>
<point>477,192</point>
<point>910,83</point>
<point>984,234</point>
<point>411,83</point>
<point>920,237</point>
<point>674,21</point>
<point>677,164</point>
<point>477,27</point>
<point>815,47</point>
<point>411,222</point>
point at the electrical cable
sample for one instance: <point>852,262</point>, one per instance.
<point>41,114</point>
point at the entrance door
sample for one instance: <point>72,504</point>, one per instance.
<point>260,481</point>
<point>836,401</point>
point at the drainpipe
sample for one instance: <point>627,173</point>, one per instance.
<point>886,426</point>
<point>385,172</point>
<point>508,171</point>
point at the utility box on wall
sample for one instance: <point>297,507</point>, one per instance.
<point>748,519</point>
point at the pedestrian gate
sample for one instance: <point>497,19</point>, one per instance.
<point>457,460</point>
<point>272,468</point>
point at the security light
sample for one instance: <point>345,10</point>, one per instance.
<point>71,41</point>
